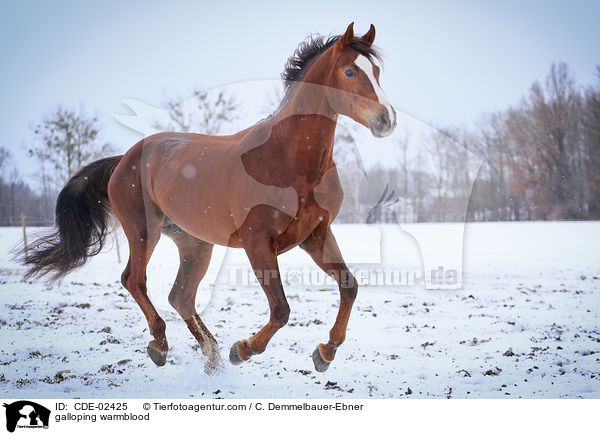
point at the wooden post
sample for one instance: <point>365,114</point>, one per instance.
<point>116,236</point>
<point>23,218</point>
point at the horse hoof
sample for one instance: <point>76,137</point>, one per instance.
<point>212,367</point>
<point>320,364</point>
<point>159,357</point>
<point>210,349</point>
<point>234,355</point>
<point>213,358</point>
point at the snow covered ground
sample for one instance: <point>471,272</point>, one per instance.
<point>526,323</point>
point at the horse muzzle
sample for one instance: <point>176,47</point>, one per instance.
<point>384,123</point>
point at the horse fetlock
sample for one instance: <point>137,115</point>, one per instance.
<point>336,338</point>
<point>158,330</point>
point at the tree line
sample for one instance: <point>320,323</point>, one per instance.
<point>540,160</point>
<point>537,160</point>
<point>64,140</point>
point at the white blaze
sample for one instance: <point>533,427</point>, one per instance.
<point>367,67</point>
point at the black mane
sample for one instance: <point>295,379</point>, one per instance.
<point>311,48</point>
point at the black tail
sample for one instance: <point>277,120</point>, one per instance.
<point>82,210</point>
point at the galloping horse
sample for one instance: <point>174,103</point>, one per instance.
<point>266,189</point>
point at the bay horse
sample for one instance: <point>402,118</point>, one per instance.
<point>265,189</point>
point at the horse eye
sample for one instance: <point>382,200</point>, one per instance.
<point>349,72</point>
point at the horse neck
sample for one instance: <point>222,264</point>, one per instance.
<point>305,125</point>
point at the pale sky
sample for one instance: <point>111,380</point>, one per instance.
<point>445,62</point>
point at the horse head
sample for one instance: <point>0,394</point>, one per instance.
<point>351,75</point>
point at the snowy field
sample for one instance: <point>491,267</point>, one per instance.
<point>526,323</point>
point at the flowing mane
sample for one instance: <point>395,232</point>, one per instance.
<point>313,46</point>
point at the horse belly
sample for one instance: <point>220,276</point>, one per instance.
<point>195,199</point>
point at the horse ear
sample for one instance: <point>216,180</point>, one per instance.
<point>369,37</point>
<point>348,36</point>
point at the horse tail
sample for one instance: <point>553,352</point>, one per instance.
<point>82,211</point>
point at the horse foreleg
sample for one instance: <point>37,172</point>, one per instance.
<point>264,262</point>
<point>322,247</point>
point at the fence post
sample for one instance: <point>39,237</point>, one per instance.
<point>116,236</point>
<point>23,218</point>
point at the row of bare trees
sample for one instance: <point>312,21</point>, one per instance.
<point>542,156</point>
<point>16,197</point>
<point>64,140</point>
<point>539,159</point>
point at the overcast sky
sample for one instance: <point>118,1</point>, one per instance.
<point>446,62</point>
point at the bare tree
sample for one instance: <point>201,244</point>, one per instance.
<point>204,112</point>
<point>4,188</point>
<point>4,157</point>
<point>545,128</point>
<point>16,197</point>
<point>591,144</point>
<point>65,140</point>
<point>402,141</point>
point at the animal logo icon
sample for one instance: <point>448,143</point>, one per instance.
<point>25,413</point>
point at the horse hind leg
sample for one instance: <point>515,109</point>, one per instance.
<point>194,257</point>
<point>134,280</point>
<point>142,225</point>
<point>141,245</point>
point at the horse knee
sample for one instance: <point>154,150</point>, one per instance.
<point>280,315</point>
<point>349,287</point>
<point>350,293</point>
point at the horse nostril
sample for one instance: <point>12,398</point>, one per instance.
<point>384,118</point>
